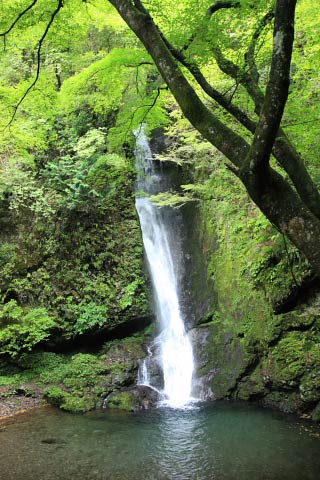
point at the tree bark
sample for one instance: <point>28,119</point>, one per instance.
<point>283,150</point>
<point>270,191</point>
<point>257,162</point>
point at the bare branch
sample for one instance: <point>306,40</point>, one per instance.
<point>193,68</point>
<point>21,14</point>
<point>137,73</point>
<point>211,10</point>
<point>42,39</point>
<point>219,5</point>
<point>147,112</point>
<point>250,54</point>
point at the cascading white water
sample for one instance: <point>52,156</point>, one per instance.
<point>176,355</point>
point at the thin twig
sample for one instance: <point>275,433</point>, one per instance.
<point>21,14</point>
<point>301,123</point>
<point>42,39</point>
<point>290,261</point>
<point>147,112</point>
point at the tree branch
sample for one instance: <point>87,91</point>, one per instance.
<point>42,39</point>
<point>249,55</point>
<point>219,5</point>
<point>257,162</point>
<point>194,69</point>
<point>147,112</point>
<point>277,199</point>
<point>211,10</point>
<point>285,153</point>
<point>227,141</point>
<point>21,14</point>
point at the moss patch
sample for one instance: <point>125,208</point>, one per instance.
<point>122,401</point>
<point>78,382</point>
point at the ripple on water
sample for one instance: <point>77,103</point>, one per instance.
<point>222,441</point>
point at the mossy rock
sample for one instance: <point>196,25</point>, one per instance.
<point>288,402</point>
<point>310,386</point>
<point>296,319</point>
<point>137,398</point>
<point>315,414</point>
<point>122,401</point>
<point>70,403</point>
<point>122,360</point>
<point>85,370</point>
<point>75,404</point>
<point>55,395</point>
<point>251,386</point>
<point>286,362</point>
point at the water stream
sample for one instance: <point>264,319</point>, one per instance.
<point>219,442</point>
<point>172,345</point>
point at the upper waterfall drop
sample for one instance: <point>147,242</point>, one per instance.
<point>176,356</point>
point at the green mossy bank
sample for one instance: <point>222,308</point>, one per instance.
<point>73,286</point>
<point>75,304</point>
<point>262,339</point>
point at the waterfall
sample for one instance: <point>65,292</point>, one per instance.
<point>174,347</point>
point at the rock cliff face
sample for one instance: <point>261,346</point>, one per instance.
<point>72,286</point>
<point>248,350</point>
<point>252,304</point>
<point>74,302</point>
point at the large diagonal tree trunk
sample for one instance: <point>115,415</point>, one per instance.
<point>276,198</point>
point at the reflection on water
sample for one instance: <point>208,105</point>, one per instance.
<point>223,441</point>
<point>181,446</point>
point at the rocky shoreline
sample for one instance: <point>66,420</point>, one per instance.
<point>18,402</point>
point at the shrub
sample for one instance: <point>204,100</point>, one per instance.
<point>33,328</point>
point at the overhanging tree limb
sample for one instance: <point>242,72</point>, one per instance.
<point>250,54</point>
<point>277,199</point>
<point>213,93</point>
<point>13,24</point>
<point>228,142</point>
<point>220,5</point>
<point>283,150</point>
<point>42,39</point>
<point>257,162</point>
<point>281,204</point>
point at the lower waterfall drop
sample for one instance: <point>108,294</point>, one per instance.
<point>175,350</point>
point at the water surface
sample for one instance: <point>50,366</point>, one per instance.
<point>220,441</point>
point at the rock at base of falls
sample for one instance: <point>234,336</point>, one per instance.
<point>140,397</point>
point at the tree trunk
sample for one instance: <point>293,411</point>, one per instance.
<point>282,206</point>
<point>270,191</point>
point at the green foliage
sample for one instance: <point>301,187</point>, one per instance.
<point>130,292</point>
<point>11,312</point>
<point>91,316</point>
<point>295,354</point>
<point>82,385</point>
<point>107,84</point>
<point>70,250</point>
<point>70,241</point>
<point>167,199</point>
<point>83,372</point>
<point>45,367</point>
<point>33,327</point>
<point>8,258</point>
<point>74,404</point>
<point>122,401</point>
<point>25,194</point>
<point>55,395</point>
